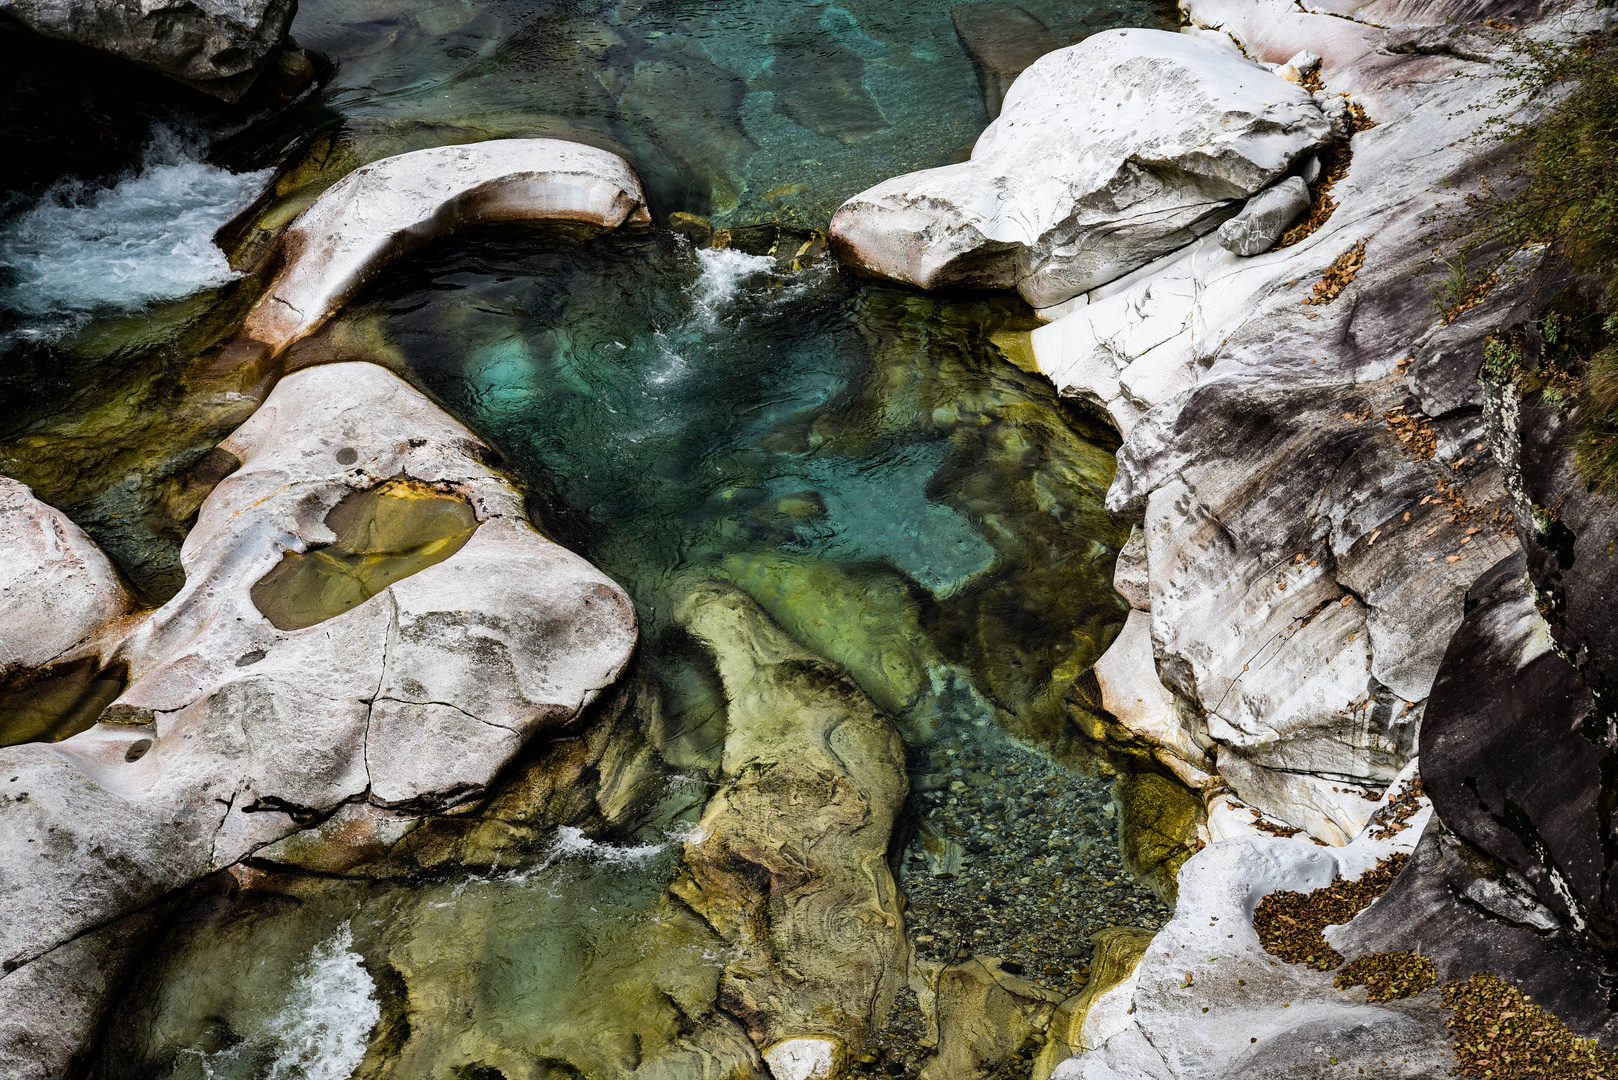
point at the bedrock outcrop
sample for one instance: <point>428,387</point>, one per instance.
<point>1309,466</point>
<point>1106,155</point>
<point>1208,1001</point>
<point>1333,512</point>
<point>369,621</point>
<point>385,209</point>
<point>216,46</point>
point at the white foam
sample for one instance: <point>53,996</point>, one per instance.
<point>724,272</point>
<point>84,250</point>
<point>571,843</point>
<point>327,1021</point>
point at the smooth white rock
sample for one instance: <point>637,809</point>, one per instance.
<point>1316,665</point>
<point>1137,699</point>
<point>1106,155</point>
<point>416,696</point>
<point>1130,578</point>
<point>383,210</point>
<point>1265,217</point>
<point>802,1059</point>
<point>1210,955</point>
<point>57,588</point>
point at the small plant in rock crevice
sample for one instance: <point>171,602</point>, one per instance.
<point>1559,108</point>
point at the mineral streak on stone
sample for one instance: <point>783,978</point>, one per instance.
<point>1003,39</point>
<point>384,209</point>
<point>216,46</point>
<point>1107,155</point>
<point>789,860</point>
<point>413,699</point>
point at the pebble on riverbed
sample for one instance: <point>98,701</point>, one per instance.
<point>1015,858</point>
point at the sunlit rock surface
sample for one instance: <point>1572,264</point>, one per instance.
<point>57,589</point>
<point>1107,155</point>
<point>1314,504</point>
<point>216,46</point>
<point>233,734</point>
<point>1208,1002</point>
<point>381,210</point>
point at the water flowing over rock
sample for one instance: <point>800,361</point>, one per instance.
<point>384,209</point>
<point>216,46</point>
<point>412,693</point>
<point>1107,155</point>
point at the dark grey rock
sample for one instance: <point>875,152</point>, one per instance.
<point>216,46</point>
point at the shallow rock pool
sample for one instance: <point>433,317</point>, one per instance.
<point>865,544</point>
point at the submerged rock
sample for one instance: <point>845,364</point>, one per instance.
<point>234,733</point>
<point>386,208</point>
<point>1108,154</point>
<point>789,861</point>
<point>691,108</point>
<point>1003,39</point>
<point>818,83</point>
<point>218,48</point>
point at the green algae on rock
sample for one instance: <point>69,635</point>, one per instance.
<point>383,534</point>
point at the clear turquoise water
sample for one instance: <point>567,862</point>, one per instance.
<point>863,462</point>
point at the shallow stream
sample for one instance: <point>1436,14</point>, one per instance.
<point>868,467</point>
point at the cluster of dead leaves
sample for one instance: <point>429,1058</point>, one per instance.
<point>1499,1034</point>
<point>1415,433</point>
<point>1394,818</point>
<point>1289,923</point>
<point>1339,275</point>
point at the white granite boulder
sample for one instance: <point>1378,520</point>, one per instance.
<point>1107,155</point>
<point>235,732</point>
<point>383,210</point>
<point>57,588</point>
<point>1265,217</point>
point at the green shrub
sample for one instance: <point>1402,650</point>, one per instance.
<point>1560,109</point>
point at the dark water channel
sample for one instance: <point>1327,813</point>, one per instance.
<point>866,465</point>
